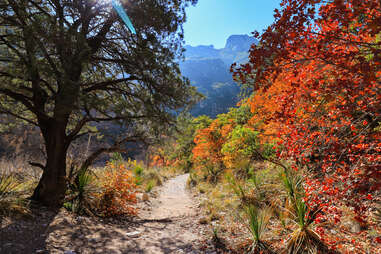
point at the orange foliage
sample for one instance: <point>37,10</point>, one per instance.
<point>119,191</point>
<point>209,142</point>
<point>157,161</point>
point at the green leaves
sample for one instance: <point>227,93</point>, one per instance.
<point>257,220</point>
<point>293,186</point>
<point>82,196</point>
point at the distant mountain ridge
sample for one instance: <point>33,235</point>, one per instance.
<point>235,50</point>
<point>208,70</point>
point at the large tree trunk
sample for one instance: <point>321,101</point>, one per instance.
<point>51,189</point>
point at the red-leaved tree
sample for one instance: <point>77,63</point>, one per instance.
<point>327,56</point>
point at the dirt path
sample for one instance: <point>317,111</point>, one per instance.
<point>174,200</point>
<point>180,233</point>
<point>169,226</point>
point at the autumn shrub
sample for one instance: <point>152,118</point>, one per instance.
<point>241,144</point>
<point>119,189</point>
<point>108,191</point>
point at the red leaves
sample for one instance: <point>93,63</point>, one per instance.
<point>318,92</point>
<point>369,197</point>
<point>317,79</point>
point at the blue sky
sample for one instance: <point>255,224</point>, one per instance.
<point>213,21</point>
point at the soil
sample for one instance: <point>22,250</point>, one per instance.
<point>168,223</point>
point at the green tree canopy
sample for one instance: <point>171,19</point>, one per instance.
<point>65,64</point>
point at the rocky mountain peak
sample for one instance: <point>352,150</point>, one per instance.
<point>240,42</point>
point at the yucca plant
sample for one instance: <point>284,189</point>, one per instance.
<point>256,218</point>
<point>8,186</point>
<point>82,198</point>
<point>10,201</point>
<point>303,239</point>
<point>257,223</point>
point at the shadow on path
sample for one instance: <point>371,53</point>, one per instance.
<point>170,227</point>
<point>27,234</point>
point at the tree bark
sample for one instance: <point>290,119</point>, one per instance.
<point>51,189</point>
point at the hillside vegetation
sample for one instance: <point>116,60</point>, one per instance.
<point>292,167</point>
<point>298,161</point>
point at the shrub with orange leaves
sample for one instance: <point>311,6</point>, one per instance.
<point>119,191</point>
<point>157,161</point>
<point>207,155</point>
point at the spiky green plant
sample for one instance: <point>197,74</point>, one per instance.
<point>257,220</point>
<point>8,185</point>
<point>303,240</point>
<point>10,201</point>
<point>295,193</point>
<point>82,198</point>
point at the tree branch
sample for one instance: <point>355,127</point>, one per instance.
<point>96,41</point>
<point>19,117</point>
<point>37,164</point>
<point>104,84</point>
<point>77,128</point>
<point>115,148</point>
